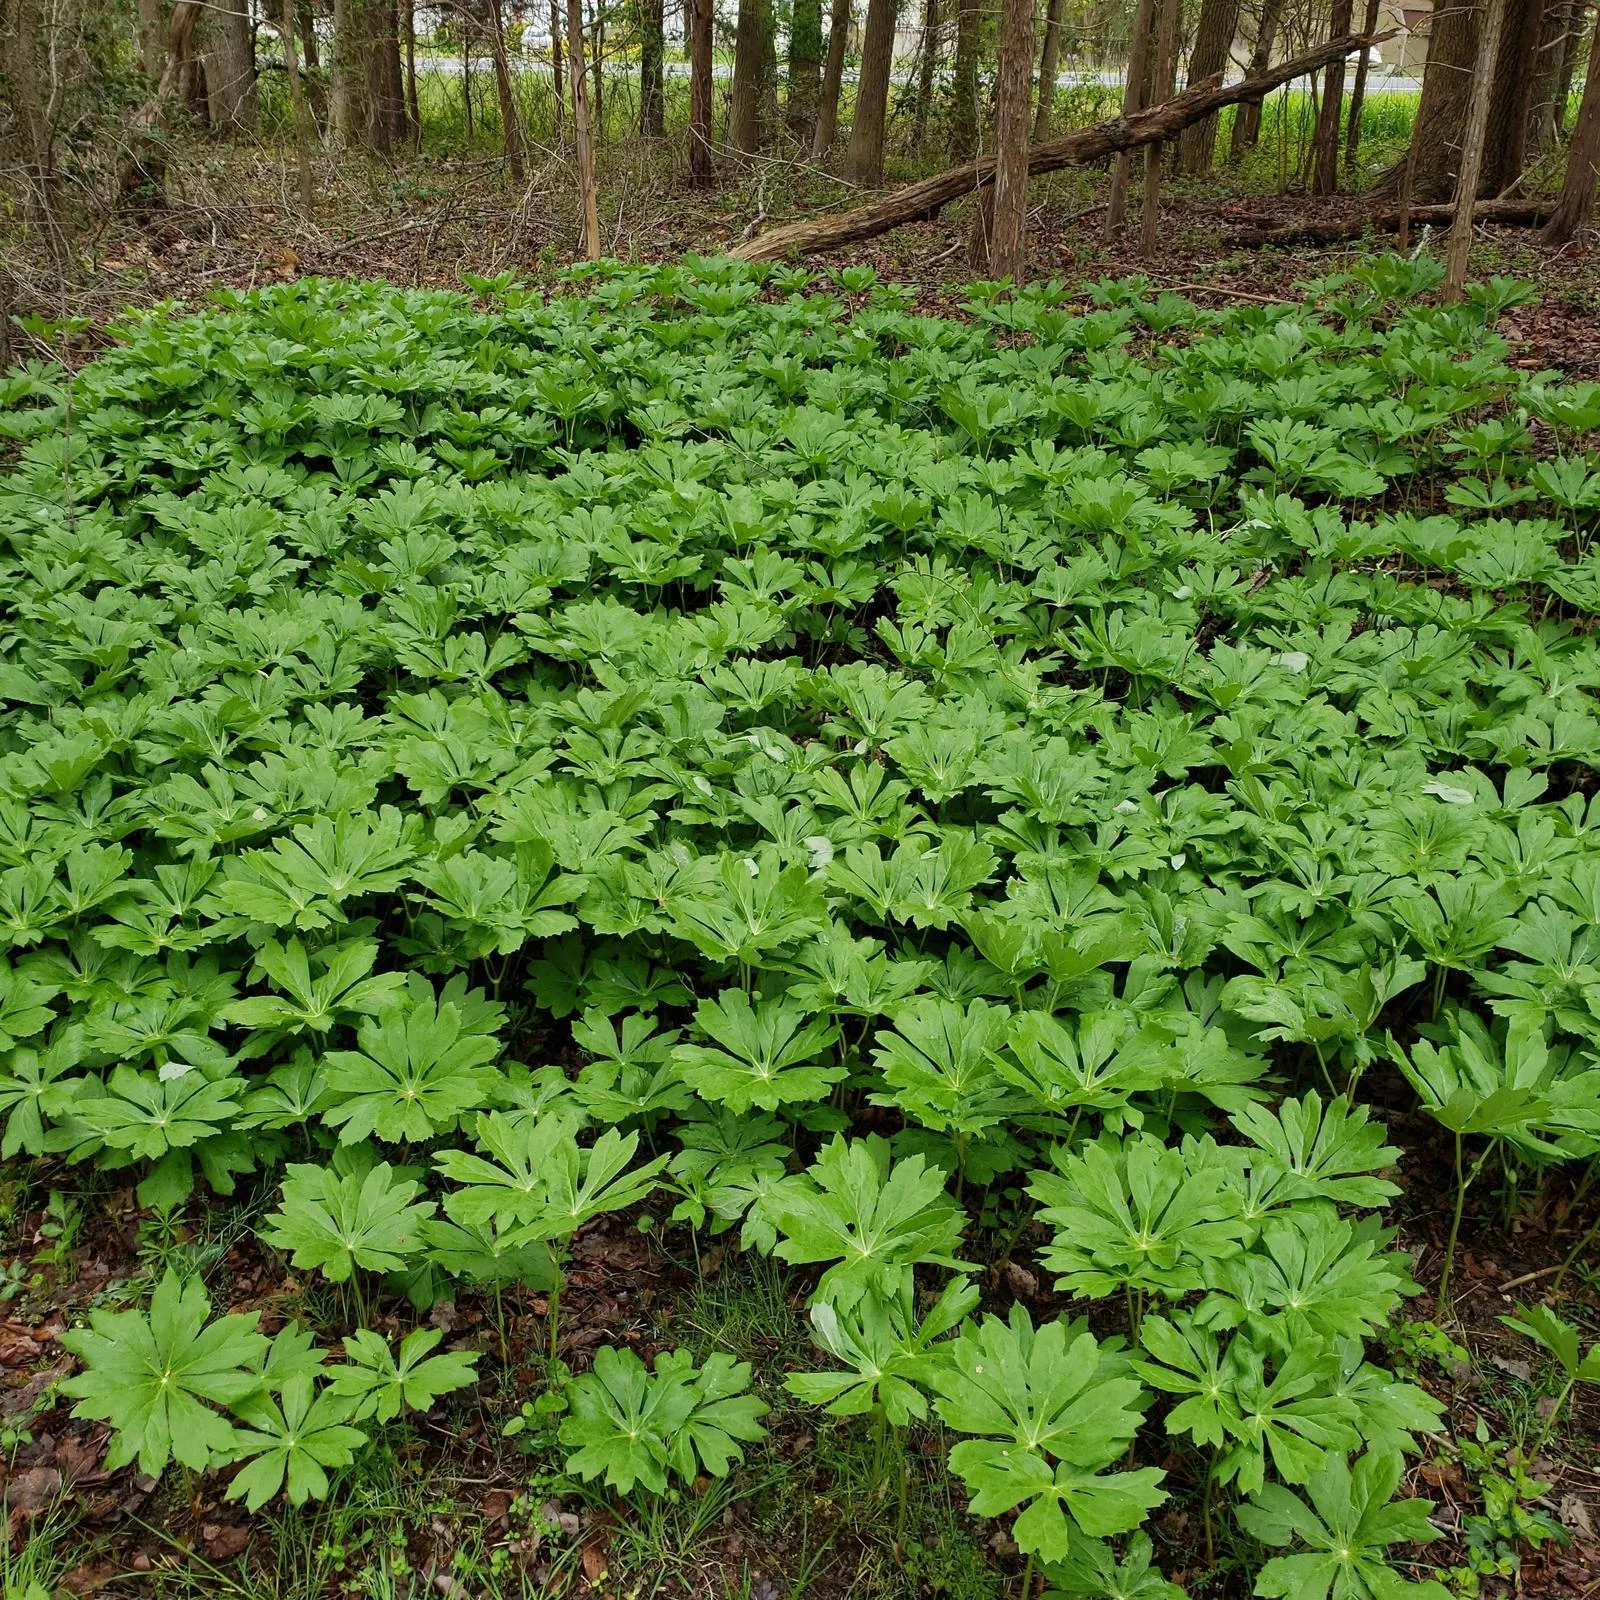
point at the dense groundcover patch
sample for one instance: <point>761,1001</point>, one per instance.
<point>898,793</point>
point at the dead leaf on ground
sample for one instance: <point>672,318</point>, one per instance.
<point>595,1563</point>
<point>32,1490</point>
<point>225,1540</point>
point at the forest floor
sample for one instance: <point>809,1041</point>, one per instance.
<point>463,1512</point>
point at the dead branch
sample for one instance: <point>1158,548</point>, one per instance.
<point>925,197</point>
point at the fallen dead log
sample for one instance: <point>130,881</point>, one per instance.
<point>1513,213</point>
<point>924,197</point>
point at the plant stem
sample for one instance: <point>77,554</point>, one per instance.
<point>1577,1250</point>
<point>553,1317</point>
<point>1027,1577</point>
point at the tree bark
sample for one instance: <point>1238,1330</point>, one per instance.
<point>702,169</point>
<point>1049,71</point>
<point>1511,103</point>
<point>1013,92</point>
<point>927,67</point>
<point>587,196</point>
<point>142,177</point>
<point>805,71</point>
<point>652,69</point>
<point>466,70</point>
<point>1325,142</point>
<point>408,13</point>
<point>511,129</point>
<point>749,64</point>
<point>386,101</point>
<point>864,158</point>
<point>1133,99</point>
<point>1455,278</point>
<point>1247,119</point>
<point>557,71</point>
<point>1163,72</point>
<point>22,27</point>
<point>1358,95</point>
<point>1219,20</point>
<point>231,67</point>
<point>1446,91</point>
<point>925,197</point>
<point>297,109</point>
<point>150,39</point>
<point>832,78</point>
<point>964,88</point>
<point>1504,213</point>
<point>316,91</point>
<point>1562,20</point>
<point>1568,66</point>
<point>348,99</point>
<point>1575,209</point>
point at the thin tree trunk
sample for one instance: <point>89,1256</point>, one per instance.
<point>556,70</point>
<point>597,74</point>
<point>1325,142</point>
<point>466,70</point>
<point>230,67</point>
<point>413,111</point>
<point>580,127</point>
<point>1575,209</point>
<point>1562,18</point>
<point>1164,70</point>
<point>749,62</point>
<point>510,129</point>
<point>927,66</point>
<point>832,78</point>
<point>1247,119</point>
<point>1358,95</point>
<point>1049,70</point>
<point>348,80</point>
<point>1133,98</point>
<point>297,109</point>
<point>22,29</point>
<point>1455,279</point>
<point>702,170</point>
<point>1213,38</point>
<point>386,108</point>
<point>864,158</point>
<point>926,196</point>
<point>652,69</point>
<point>1013,91</point>
<point>150,40</point>
<point>1568,66</point>
<point>964,89</point>
<point>316,91</point>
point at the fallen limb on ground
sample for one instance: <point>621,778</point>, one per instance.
<point>1524,213</point>
<point>1072,149</point>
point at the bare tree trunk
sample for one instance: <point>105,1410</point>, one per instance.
<point>466,70</point>
<point>1247,119</point>
<point>1219,20</point>
<point>557,72</point>
<point>1358,95</point>
<point>1455,279</point>
<point>597,73</point>
<point>1008,244</point>
<point>1575,209</point>
<point>832,78</point>
<point>1563,19</point>
<point>297,109</point>
<point>1139,51</point>
<point>964,96</point>
<point>316,91</point>
<point>1568,66</point>
<point>142,178</point>
<point>1325,142</point>
<point>230,59</point>
<point>413,111</point>
<point>580,126</point>
<point>510,128</point>
<point>348,99</point>
<point>1511,104</point>
<point>1446,90</point>
<point>386,99</point>
<point>925,197</point>
<point>1049,70</point>
<point>864,158</point>
<point>927,66</point>
<point>652,68</point>
<point>150,39</point>
<point>804,71</point>
<point>701,167</point>
<point>25,52</point>
<point>1163,74</point>
<point>749,62</point>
